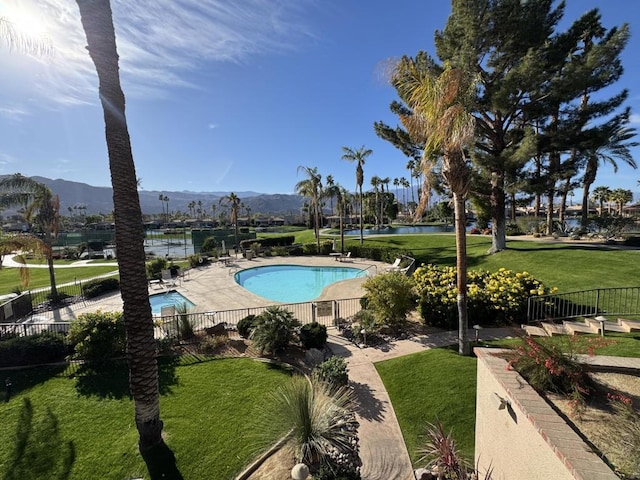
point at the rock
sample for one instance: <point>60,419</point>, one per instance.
<point>313,357</point>
<point>300,472</point>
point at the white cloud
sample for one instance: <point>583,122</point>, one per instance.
<point>160,42</point>
<point>635,119</point>
<point>13,113</point>
<point>212,126</point>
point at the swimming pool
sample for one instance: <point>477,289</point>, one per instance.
<point>171,297</point>
<point>293,283</point>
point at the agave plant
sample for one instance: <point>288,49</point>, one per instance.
<point>321,423</point>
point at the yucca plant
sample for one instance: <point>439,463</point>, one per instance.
<point>321,423</point>
<point>186,328</point>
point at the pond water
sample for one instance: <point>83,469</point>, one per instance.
<point>403,230</point>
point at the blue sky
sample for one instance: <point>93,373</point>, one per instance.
<point>234,95</point>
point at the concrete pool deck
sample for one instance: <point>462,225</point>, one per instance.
<point>213,288</point>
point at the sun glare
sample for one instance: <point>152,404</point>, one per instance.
<point>25,22</point>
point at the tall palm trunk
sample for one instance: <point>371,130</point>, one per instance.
<point>361,217</point>
<point>461,267</point>
<point>143,370</point>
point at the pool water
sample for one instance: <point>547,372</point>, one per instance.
<point>293,283</point>
<point>171,297</point>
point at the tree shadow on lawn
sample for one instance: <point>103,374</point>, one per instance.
<point>39,451</point>
<point>26,378</point>
<point>112,380</point>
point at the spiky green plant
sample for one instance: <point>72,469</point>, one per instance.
<point>322,425</point>
<point>273,330</point>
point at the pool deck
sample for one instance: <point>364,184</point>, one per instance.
<point>212,287</point>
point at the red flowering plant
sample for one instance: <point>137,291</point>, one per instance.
<point>551,365</point>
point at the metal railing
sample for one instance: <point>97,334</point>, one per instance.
<point>584,303</point>
<point>324,312</point>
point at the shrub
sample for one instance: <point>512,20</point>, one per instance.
<point>322,424</point>
<point>274,330</point>
<point>390,297</point>
<point>98,337</point>
<point>245,326</point>
<point>492,298</point>
<point>184,322</point>
<point>333,371</point>
<point>209,245</point>
<point>99,287</point>
<point>46,347</point>
<point>513,229</point>
<point>365,320</point>
<point>198,260</point>
<point>155,267</point>
<point>313,335</point>
<point>553,367</point>
<point>211,344</point>
<point>280,251</point>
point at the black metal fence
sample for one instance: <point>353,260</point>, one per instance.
<point>324,312</point>
<point>584,303</point>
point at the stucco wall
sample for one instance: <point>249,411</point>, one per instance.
<point>526,439</point>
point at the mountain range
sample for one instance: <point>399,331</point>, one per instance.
<point>100,199</point>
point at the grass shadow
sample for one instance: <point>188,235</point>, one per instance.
<point>39,451</point>
<point>112,381</point>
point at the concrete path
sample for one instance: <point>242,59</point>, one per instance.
<point>382,449</point>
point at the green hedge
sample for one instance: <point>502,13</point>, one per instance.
<point>380,254</point>
<point>44,347</point>
<point>283,241</point>
<point>95,288</point>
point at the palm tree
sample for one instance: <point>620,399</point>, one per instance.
<point>441,120</point>
<point>375,183</point>
<point>617,147</point>
<point>601,194</point>
<point>22,243</point>
<point>234,202</point>
<point>24,42</point>
<point>405,184</point>
<point>411,166</point>
<point>621,196</point>
<point>342,200</point>
<point>41,206</point>
<point>359,156</point>
<point>311,187</point>
<point>97,22</point>
<point>329,190</point>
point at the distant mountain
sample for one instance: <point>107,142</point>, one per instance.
<point>100,199</point>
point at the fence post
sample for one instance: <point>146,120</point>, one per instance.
<point>597,302</point>
<point>336,312</point>
<point>313,312</point>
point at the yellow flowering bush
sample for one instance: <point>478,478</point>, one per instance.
<point>492,297</point>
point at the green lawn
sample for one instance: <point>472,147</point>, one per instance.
<point>210,411</point>
<point>39,277</point>
<point>438,384</point>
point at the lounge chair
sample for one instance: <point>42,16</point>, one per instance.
<point>167,279</point>
<point>394,266</point>
<point>345,257</point>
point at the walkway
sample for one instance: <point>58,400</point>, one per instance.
<point>382,449</point>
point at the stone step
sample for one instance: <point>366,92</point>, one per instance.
<point>631,325</point>
<point>575,328</point>
<point>609,326</point>
<point>532,330</point>
<point>554,329</point>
